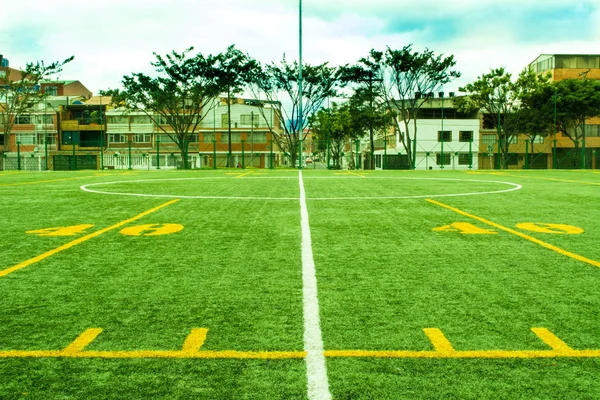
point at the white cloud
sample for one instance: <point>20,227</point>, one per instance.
<point>111,38</point>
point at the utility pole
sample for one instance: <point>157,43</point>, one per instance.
<point>299,122</point>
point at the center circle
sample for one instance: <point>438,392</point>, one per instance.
<point>290,192</point>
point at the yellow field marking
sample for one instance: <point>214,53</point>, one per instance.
<point>559,229</point>
<point>520,234</point>
<point>151,229</point>
<point>81,240</point>
<point>61,230</point>
<point>356,174</point>
<point>543,179</point>
<point>46,181</point>
<point>245,174</point>
<point>83,340</point>
<point>438,340</point>
<point>551,340</point>
<point>465,228</point>
<point>195,340</point>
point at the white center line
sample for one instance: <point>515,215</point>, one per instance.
<point>316,370</point>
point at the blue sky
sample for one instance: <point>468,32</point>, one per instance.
<point>111,38</point>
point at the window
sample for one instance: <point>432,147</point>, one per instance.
<point>23,119</point>
<point>1,139</point>
<point>465,158</point>
<point>208,137</point>
<point>260,137</point>
<point>117,138</point>
<point>51,90</point>
<point>538,139</point>
<point>592,130</point>
<point>224,120</point>
<point>465,136</point>
<point>140,119</point>
<point>193,138</point>
<point>488,139</point>
<point>236,137</point>
<point>444,136</point>
<point>249,119</point>
<point>27,138</point>
<point>117,119</point>
<point>142,138</point>
<point>445,159</point>
<point>165,139</point>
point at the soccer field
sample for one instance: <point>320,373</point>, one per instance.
<point>260,284</point>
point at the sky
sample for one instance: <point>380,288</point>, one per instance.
<point>113,38</point>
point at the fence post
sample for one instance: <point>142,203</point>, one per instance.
<point>243,161</point>
<point>215,151</point>
<point>554,155</point>
<point>18,156</point>
<point>357,155</point>
<point>384,153</point>
<point>271,155</point>
<point>583,151</point>
<point>526,154</point>
<point>471,153</point>
<point>129,154</point>
<point>157,153</point>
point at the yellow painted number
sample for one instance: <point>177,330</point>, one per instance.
<point>152,230</point>
<point>61,230</point>
<point>465,228</point>
<point>559,229</point>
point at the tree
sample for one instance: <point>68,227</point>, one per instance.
<point>236,69</point>
<point>576,101</point>
<point>279,85</point>
<point>409,78</point>
<point>367,76</point>
<point>501,98</point>
<point>19,96</point>
<point>336,125</point>
<point>179,97</point>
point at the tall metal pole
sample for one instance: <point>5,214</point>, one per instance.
<point>45,133</point>
<point>102,122</point>
<point>442,135</point>
<point>554,149</point>
<point>301,131</point>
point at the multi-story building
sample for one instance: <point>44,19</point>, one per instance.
<point>557,150</point>
<point>446,138</point>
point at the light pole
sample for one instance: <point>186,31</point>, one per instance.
<point>300,82</point>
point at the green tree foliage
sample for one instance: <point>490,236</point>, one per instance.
<point>278,84</point>
<point>576,101</point>
<point>21,95</point>
<point>336,126</point>
<point>179,96</point>
<point>408,78</point>
<point>502,99</point>
<point>236,70</point>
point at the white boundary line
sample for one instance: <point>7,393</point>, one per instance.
<point>86,188</point>
<point>316,370</point>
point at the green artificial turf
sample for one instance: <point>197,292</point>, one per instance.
<point>235,269</point>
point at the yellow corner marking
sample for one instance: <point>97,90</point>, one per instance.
<point>465,228</point>
<point>195,340</point>
<point>558,229</point>
<point>81,240</point>
<point>151,229</point>
<point>551,340</point>
<point>439,341</point>
<point>520,234</point>
<point>355,174</point>
<point>83,340</point>
<point>61,230</point>
<point>245,174</point>
<point>46,181</point>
